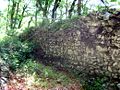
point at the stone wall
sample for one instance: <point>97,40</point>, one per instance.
<point>90,44</point>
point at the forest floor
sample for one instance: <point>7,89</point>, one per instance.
<point>43,78</point>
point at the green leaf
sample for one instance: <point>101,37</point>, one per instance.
<point>113,0</point>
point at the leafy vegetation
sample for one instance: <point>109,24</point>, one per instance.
<point>15,52</point>
<point>37,76</point>
<point>95,84</point>
<point>45,76</point>
<point>45,72</point>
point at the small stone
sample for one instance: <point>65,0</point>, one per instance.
<point>114,64</point>
<point>118,85</point>
<point>109,69</point>
<point>3,80</point>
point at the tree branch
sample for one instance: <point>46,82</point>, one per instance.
<point>72,8</point>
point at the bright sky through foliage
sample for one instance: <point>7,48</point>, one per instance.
<point>91,3</point>
<point>3,4</point>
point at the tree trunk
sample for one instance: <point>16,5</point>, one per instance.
<point>12,15</point>
<point>56,5</point>
<point>79,7</point>
<point>22,15</point>
<point>72,8</point>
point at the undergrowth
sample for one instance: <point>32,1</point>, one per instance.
<point>36,76</point>
<point>14,52</point>
<point>45,76</point>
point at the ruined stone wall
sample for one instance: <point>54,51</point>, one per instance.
<point>89,44</point>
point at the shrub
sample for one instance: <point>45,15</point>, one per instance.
<point>96,83</point>
<point>15,52</point>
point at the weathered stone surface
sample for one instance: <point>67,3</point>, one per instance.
<point>89,43</point>
<point>4,72</point>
